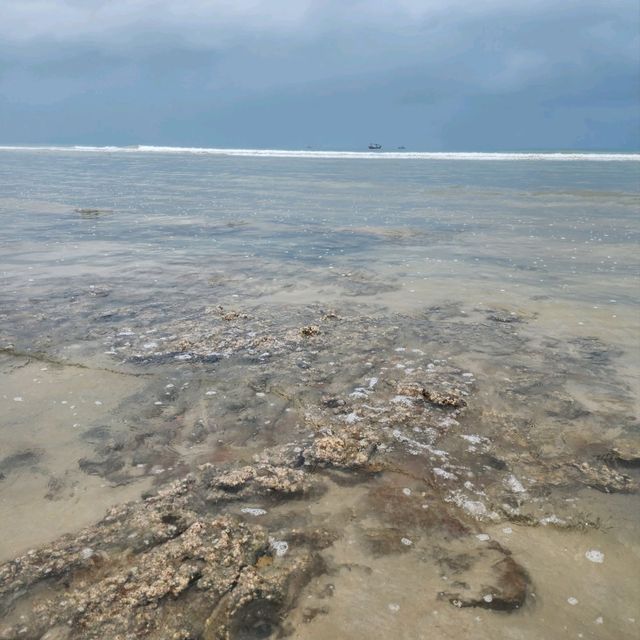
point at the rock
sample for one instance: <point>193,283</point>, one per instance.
<point>343,451</point>
<point>492,579</point>
<point>625,456</point>
<point>333,402</point>
<point>20,460</point>
<point>253,608</point>
<point>191,561</point>
<point>106,467</point>
<point>442,398</point>
<point>258,480</point>
<point>121,577</point>
<point>604,478</point>
<point>505,318</point>
<point>90,213</point>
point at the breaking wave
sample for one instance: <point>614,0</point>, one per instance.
<point>357,155</point>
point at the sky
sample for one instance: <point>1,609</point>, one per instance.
<point>433,75</point>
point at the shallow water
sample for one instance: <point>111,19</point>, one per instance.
<point>151,320</point>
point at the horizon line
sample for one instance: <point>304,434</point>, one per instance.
<point>396,154</point>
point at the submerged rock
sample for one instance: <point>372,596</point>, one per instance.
<point>158,567</point>
<point>89,213</point>
<point>623,455</point>
<point>257,480</point>
<point>349,451</point>
<point>19,460</point>
<point>492,579</point>
<point>440,397</point>
<point>604,478</point>
<point>224,552</point>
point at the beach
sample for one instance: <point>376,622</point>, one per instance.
<point>252,394</point>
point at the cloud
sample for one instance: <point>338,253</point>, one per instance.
<point>194,61</point>
<point>494,42</point>
<point>213,23</point>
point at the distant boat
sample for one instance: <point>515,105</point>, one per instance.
<point>375,145</point>
<point>402,147</point>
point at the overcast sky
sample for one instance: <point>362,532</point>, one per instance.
<point>334,74</point>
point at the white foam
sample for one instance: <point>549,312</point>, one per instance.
<point>474,508</point>
<point>86,553</point>
<point>357,155</point>
<point>595,556</point>
<point>404,400</point>
<point>253,511</point>
<point>352,418</point>
<point>514,484</point>
<point>444,474</point>
<point>279,547</point>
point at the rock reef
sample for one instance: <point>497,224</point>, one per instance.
<point>308,414</point>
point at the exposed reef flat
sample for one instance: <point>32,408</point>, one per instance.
<point>275,442</point>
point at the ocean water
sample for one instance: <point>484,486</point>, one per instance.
<point>164,309</point>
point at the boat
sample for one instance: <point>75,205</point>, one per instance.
<point>375,145</point>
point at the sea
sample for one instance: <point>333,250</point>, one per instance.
<point>442,348</point>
